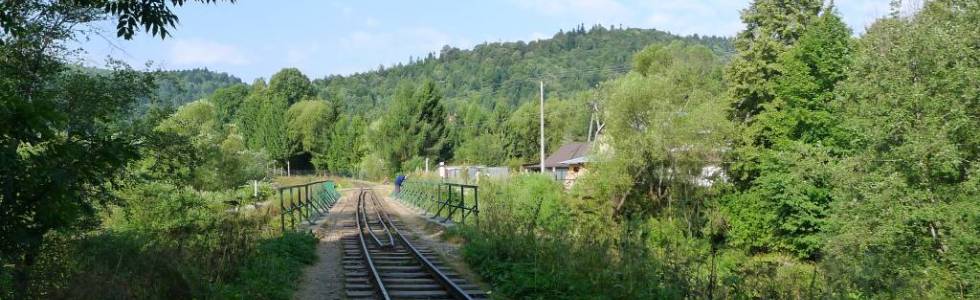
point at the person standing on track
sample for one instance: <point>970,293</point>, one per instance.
<point>398,183</point>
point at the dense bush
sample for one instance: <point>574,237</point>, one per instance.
<point>175,243</point>
<point>534,240</point>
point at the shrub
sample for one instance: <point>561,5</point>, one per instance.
<point>273,271</point>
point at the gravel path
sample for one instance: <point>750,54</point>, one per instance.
<point>325,279</point>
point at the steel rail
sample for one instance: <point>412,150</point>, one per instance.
<point>380,286</point>
<point>454,290</point>
<point>378,210</point>
<point>367,223</point>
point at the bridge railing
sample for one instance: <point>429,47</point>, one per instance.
<point>305,201</point>
<point>444,201</point>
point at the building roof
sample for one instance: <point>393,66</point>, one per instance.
<point>564,153</point>
<point>577,161</point>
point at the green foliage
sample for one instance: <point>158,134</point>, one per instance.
<point>535,242</point>
<point>664,128</point>
<point>274,270</point>
<point>344,148</point>
<point>228,100</point>
<point>169,242</point>
<point>373,167</point>
<point>414,127</point>
<point>176,88</point>
<point>290,84</point>
<point>309,122</point>
<point>907,225</point>
<point>51,118</point>
<point>491,91</point>
<point>249,115</point>
<point>164,210</point>
<point>197,120</point>
<point>154,17</point>
<point>272,131</point>
<point>771,27</point>
<point>486,149</point>
<point>98,204</point>
<point>190,148</point>
<point>505,74</point>
<point>562,119</point>
<point>785,154</point>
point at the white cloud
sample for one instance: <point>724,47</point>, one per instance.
<point>203,52</point>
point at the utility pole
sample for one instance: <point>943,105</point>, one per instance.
<point>542,126</point>
<point>592,114</point>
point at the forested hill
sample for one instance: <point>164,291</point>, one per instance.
<point>183,86</point>
<point>508,73</point>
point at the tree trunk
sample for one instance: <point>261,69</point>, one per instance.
<point>22,275</point>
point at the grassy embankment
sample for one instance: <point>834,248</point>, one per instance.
<point>168,242</point>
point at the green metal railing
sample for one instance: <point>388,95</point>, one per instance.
<point>449,201</point>
<point>306,201</point>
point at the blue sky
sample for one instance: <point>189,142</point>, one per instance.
<point>253,38</point>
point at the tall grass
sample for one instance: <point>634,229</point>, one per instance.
<point>175,243</point>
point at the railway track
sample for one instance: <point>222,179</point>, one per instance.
<point>381,263</point>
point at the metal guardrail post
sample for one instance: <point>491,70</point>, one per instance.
<point>476,204</point>
<point>437,197</point>
<point>282,213</point>
<point>292,208</point>
<point>305,201</point>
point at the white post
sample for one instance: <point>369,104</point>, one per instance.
<point>255,188</point>
<point>542,125</point>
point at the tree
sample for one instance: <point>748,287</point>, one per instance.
<point>664,127</point>
<point>785,153</point>
<point>248,115</point>
<point>310,122</point>
<point>272,132</point>
<point>154,16</point>
<point>414,127</point>
<point>521,130</point>
<point>207,157</point>
<point>265,125</point>
<point>197,119</point>
<point>228,100</point>
<point>344,148</point>
<point>487,149</point>
<point>430,123</point>
<point>771,27</point>
<point>290,84</point>
<point>909,193</point>
<point>180,87</point>
<point>504,74</point>
<point>52,117</point>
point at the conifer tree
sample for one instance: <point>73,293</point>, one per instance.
<point>784,151</point>
<point>771,27</point>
